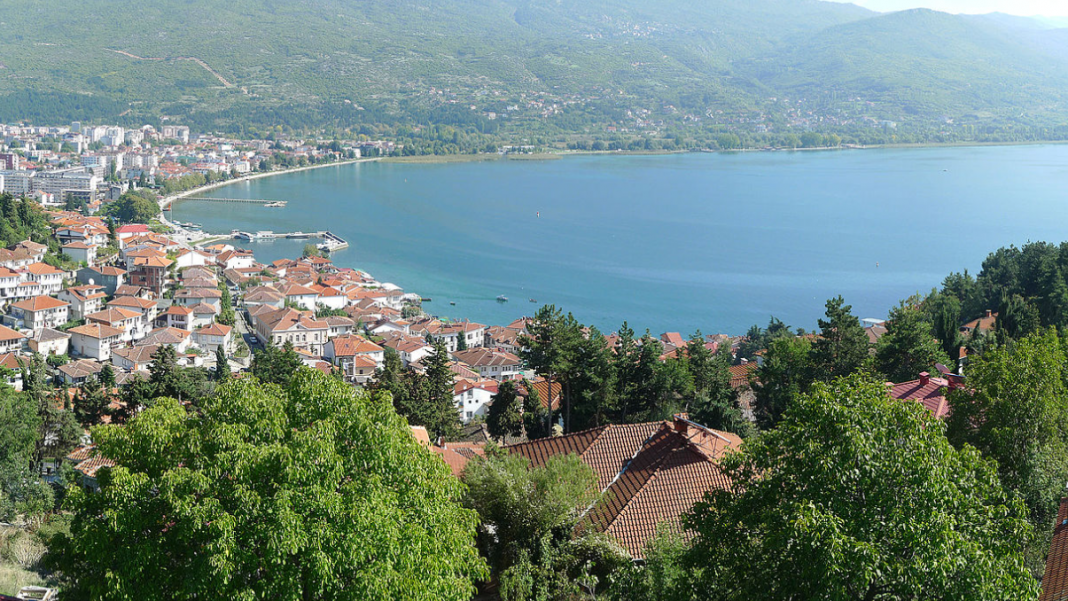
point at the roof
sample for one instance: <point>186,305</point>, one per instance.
<point>456,455</point>
<point>132,229</point>
<point>40,303</point>
<point>421,435</point>
<point>649,473</point>
<point>96,330</point>
<point>482,357</point>
<point>42,269</point>
<point>164,336</point>
<point>48,335</point>
<point>347,346</point>
<point>112,315</point>
<point>215,329</point>
<point>285,319</point>
<point>929,392</point>
<point>81,369</point>
<point>1055,580</point>
<point>79,246</point>
<point>133,301</point>
<point>984,323</point>
<point>740,374</point>
<point>138,354</point>
<point>7,334</point>
<point>10,361</point>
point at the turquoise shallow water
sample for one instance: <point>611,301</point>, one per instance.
<point>670,243</point>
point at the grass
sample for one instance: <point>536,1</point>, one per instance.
<point>14,577</point>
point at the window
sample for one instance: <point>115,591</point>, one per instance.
<point>470,414</point>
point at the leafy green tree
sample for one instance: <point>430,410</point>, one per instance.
<point>275,365</point>
<point>1017,318</point>
<point>505,416</point>
<point>842,346</point>
<point>317,491</point>
<point>785,375</point>
<point>858,496</point>
<point>594,385</point>
<point>944,314</point>
<point>1013,411</point>
<point>528,525</point>
<point>91,403</point>
<point>21,490</point>
<point>135,206</point>
<point>227,317</point>
<point>135,396</point>
<point>167,377</point>
<point>758,339</point>
<point>909,346</point>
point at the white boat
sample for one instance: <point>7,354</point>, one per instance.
<point>502,299</point>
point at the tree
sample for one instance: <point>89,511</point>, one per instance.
<point>781,379</point>
<point>842,346</point>
<point>1013,411</point>
<point>549,349</point>
<point>594,387</point>
<point>135,396</point>
<point>944,314</point>
<point>528,521</point>
<point>858,496</point>
<point>91,404</point>
<point>107,377</point>
<point>441,414</point>
<point>275,365</point>
<point>21,490</point>
<point>317,491</point>
<point>715,401</point>
<point>537,418</point>
<point>909,346</point>
<point>167,378</point>
<point>135,206</point>
<point>505,412</point>
<point>226,307</point>
<point>222,366</point>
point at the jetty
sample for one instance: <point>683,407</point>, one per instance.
<point>331,241</point>
<point>259,201</point>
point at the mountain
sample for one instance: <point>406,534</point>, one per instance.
<point>554,65</point>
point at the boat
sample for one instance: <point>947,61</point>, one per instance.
<point>426,300</point>
<point>533,300</point>
<point>236,235</point>
<point>502,299</point>
<point>276,205</point>
<point>453,303</point>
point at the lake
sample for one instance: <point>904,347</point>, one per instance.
<point>715,242</point>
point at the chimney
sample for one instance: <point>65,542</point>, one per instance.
<point>925,378</point>
<point>745,361</point>
<point>680,425</point>
<point>989,313</point>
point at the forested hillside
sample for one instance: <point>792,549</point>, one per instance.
<point>670,68</point>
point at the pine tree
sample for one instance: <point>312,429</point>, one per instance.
<point>222,366</point>
<point>107,377</point>
<point>505,413</point>
<point>442,415</point>
<point>91,403</point>
<point>842,346</point>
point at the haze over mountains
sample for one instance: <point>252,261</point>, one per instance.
<point>400,57</point>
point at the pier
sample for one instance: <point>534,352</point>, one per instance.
<point>259,201</point>
<point>331,241</point>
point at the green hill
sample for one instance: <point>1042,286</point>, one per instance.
<point>544,66</point>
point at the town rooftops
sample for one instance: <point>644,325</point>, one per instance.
<point>40,303</point>
<point>164,336</point>
<point>87,292</point>
<point>133,302</point>
<point>49,335</point>
<point>83,368</point>
<point>78,246</point>
<point>138,354</point>
<point>42,269</point>
<point>107,270</point>
<point>215,329</point>
<point>281,320</point>
<point>112,315</point>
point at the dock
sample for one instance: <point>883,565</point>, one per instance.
<point>259,201</point>
<point>331,241</point>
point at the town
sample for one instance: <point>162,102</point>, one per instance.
<point>108,306</point>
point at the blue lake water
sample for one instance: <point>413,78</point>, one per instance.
<point>670,243</point>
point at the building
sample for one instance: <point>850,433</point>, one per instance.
<point>131,322</point>
<point>649,474</point>
<point>150,273</point>
<point>213,337</point>
<point>81,252</point>
<point>50,342</point>
<point>927,391</point>
<point>94,340</point>
<point>492,364</point>
<point>40,312</point>
<point>357,357</point>
<point>473,398</point>
<point>289,325</point>
<point>138,358</point>
<point>10,340</point>
<point>1055,579</point>
<point>45,276</point>
<point>109,278</point>
<point>83,300</point>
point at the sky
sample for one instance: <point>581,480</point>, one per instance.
<point>1047,8</point>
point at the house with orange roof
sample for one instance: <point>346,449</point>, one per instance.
<point>289,325</point>
<point>148,308</point>
<point>491,363</point>
<point>649,474</point>
<point>473,397</point>
<point>137,358</point>
<point>132,323</point>
<point>928,392</point>
<point>149,272</point>
<point>300,296</point>
<point>83,299</point>
<point>411,349</point>
<point>43,274</point>
<point>10,340</point>
<point>38,313</point>
<point>176,316</point>
<point>94,340</point>
<point>81,252</point>
<point>213,337</point>
<point>179,339</point>
<point>984,324</point>
<point>357,357</point>
<point>13,364</point>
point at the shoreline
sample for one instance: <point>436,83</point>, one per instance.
<point>166,201</point>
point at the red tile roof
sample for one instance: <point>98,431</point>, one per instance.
<point>7,334</point>
<point>649,473</point>
<point>40,303</point>
<point>929,392</point>
<point>1055,580</point>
